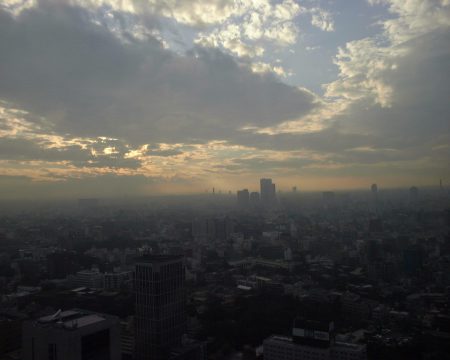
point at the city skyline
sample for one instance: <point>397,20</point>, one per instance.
<point>130,98</point>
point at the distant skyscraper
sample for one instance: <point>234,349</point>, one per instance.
<point>375,203</point>
<point>294,189</point>
<point>207,229</point>
<point>243,197</point>
<point>254,198</point>
<point>160,306</point>
<point>268,193</point>
<point>72,335</point>
<point>374,189</point>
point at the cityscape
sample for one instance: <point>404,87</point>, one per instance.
<point>224,180</point>
<point>250,275</point>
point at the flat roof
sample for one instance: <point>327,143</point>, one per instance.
<point>71,319</point>
<point>83,321</point>
<point>281,338</point>
<point>61,316</point>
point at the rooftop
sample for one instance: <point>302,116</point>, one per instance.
<point>71,319</point>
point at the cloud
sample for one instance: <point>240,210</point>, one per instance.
<point>322,19</point>
<point>85,82</point>
<point>91,88</point>
<point>191,12</point>
<point>24,150</point>
<point>254,26</point>
<point>262,67</point>
<point>393,83</point>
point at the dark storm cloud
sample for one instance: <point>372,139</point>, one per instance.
<point>56,63</point>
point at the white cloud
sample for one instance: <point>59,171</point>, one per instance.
<point>362,72</point>
<point>230,39</point>
<point>367,66</point>
<point>414,17</point>
<point>255,24</point>
<point>17,6</point>
<point>262,67</point>
<point>322,19</point>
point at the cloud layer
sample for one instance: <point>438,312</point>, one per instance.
<point>96,88</point>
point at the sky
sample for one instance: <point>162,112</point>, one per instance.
<point>143,97</point>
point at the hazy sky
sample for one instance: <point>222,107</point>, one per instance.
<point>121,97</point>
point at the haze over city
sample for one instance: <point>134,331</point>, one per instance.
<point>224,179</point>
<point>110,98</point>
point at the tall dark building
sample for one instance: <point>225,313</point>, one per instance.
<point>268,193</point>
<point>254,198</point>
<point>160,305</point>
<point>374,189</point>
<point>72,335</point>
<point>243,197</point>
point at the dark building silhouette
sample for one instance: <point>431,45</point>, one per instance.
<point>10,334</point>
<point>72,335</point>
<point>268,192</point>
<point>208,229</point>
<point>191,351</point>
<point>311,340</point>
<point>243,198</point>
<point>62,263</point>
<point>374,189</point>
<point>160,305</point>
<point>254,198</point>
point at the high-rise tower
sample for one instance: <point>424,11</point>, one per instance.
<point>160,305</point>
<point>72,335</point>
<point>374,189</point>
<point>268,194</point>
<point>243,198</point>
